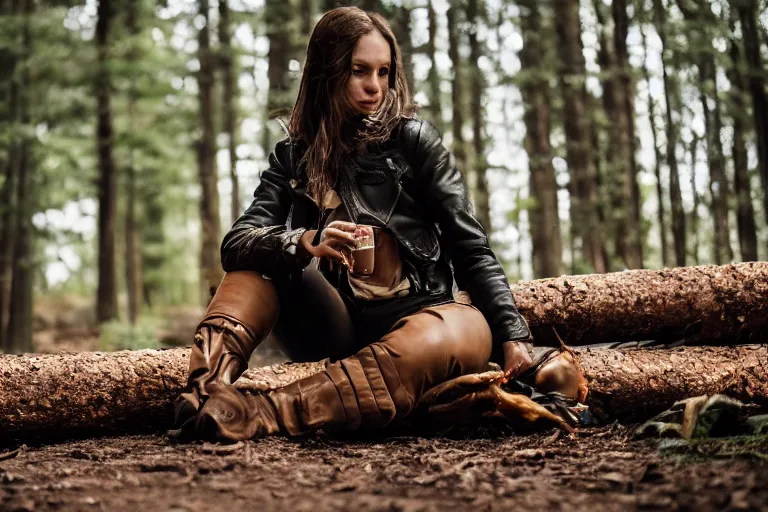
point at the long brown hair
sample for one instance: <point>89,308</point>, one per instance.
<point>322,112</point>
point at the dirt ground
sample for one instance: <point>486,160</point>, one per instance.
<point>597,469</point>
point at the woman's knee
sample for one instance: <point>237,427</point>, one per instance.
<point>463,336</point>
<point>437,344</point>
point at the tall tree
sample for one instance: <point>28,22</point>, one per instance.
<point>210,259</point>
<point>672,103</point>
<point>583,188</point>
<point>544,220</point>
<point>9,89</point>
<point>651,102</point>
<point>433,77</point>
<point>620,173</point>
<point>106,299</point>
<point>629,237</point>
<point>745,213</point>
<point>401,26</point>
<point>18,336</point>
<point>457,88</point>
<point>701,21</point>
<point>280,20</point>
<point>477,93</point>
<point>132,238</point>
<point>748,13</point>
<point>307,17</point>
<point>229,100</point>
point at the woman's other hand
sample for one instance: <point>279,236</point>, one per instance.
<point>517,357</point>
<point>336,242</point>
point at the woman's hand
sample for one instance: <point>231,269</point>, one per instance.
<point>517,357</point>
<point>336,242</point>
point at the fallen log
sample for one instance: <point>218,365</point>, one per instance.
<point>700,305</point>
<point>45,397</point>
<point>633,385</point>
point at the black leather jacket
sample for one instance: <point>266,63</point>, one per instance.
<point>422,199</point>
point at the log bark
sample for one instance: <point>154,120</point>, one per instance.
<point>634,385</point>
<point>48,397</point>
<point>703,305</point>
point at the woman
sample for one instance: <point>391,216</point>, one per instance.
<point>356,162</point>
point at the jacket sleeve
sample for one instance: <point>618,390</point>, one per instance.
<point>259,240</point>
<point>475,266</point>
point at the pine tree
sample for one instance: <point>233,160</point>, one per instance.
<point>583,189</point>
<point>210,259</point>
<point>534,87</point>
<point>106,301</point>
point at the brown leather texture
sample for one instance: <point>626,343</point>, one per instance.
<point>371,389</point>
<point>240,315</point>
<point>247,298</point>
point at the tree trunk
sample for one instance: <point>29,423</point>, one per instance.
<point>671,92</point>
<point>229,101</point>
<point>745,213</point>
<point>106,296</point>
<point>153,239</point>
<point>598,162</point>
<point>18,336</point>
<point>477,88</point>
<point>433,77</point>
<point>280,21</point>
<point>133,281</point>
<point>401,26</point>
<point>630,234</point>
<point>696,199</point>
<point>19,331</point>
<point>50,397</point>
<point>457,89</point>
<point>571,73</point>
<point>702,21</point>
<point>621,172</point>
<point>307,17</point>
<point>661,216</point>
<point>132,239</point>
<point>547,250</point>
<point>210,259</point>
<point>748,15</point>
<point>8,188</point>
<point>718,183</point>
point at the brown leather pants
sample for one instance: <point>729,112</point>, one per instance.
<point>375,386</point>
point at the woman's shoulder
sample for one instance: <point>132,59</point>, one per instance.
<point>417,136</point>
<point>288,152</point>
<point>415,127</point>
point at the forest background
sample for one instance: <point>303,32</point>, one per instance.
<point>595,136</point>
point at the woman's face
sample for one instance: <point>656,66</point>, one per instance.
<point>369,78</point>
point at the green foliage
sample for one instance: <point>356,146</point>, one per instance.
<point>118,335</point>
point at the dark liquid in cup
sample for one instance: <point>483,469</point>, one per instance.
<point>363,261</point>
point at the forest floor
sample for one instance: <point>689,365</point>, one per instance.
<point>597,469</point>
<point>594,469</point>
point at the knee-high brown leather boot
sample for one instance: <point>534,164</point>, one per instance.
<point>361,391</point>
<point>241,314</point>
<point>368,390</point>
